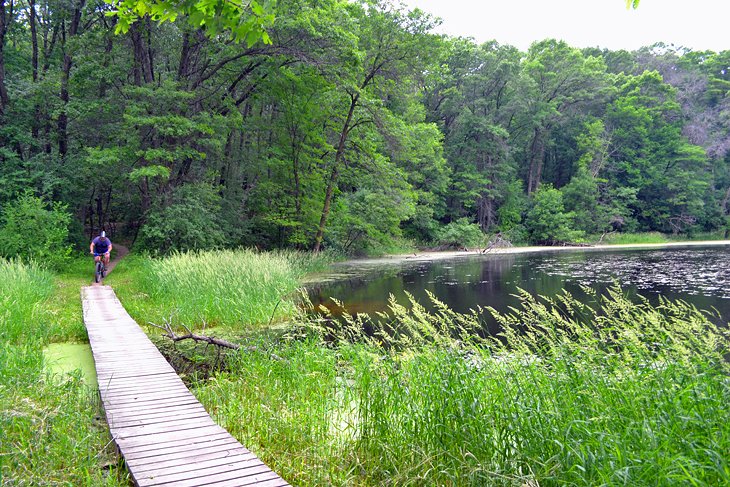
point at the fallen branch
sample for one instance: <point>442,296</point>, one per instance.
<point>218,342</point>
<point>169,333</point>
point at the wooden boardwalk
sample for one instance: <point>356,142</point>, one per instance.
<point>163,432</point>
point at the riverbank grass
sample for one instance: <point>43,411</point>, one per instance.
<point>231,287</point>
<point>622,393</point>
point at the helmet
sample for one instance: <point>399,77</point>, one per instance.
<point>103,234</point>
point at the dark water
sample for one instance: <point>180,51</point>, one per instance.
<point>699,275</point>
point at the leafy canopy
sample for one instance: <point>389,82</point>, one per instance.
<point>243,20</point>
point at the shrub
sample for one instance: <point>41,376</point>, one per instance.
<point>461,233</point>
<point>36,230</point>
<point>547,221</point>
<point>190,222</point>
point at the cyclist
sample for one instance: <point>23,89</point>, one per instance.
<point>100,247</point>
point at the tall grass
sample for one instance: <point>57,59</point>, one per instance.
<point>49,432</point>
<point>634,238</point>
<point>229,287</point>
<point>655,237</point>
<point>617,393</point>
<point>22,288</point>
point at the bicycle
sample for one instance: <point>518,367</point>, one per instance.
<point>99,268</point>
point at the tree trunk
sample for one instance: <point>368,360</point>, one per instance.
<point>537,156</point>
<point>107,58</point>
<point>140,35</point>
<point>65,74</point>
<point>6,17</point>
<point>63,116</point>
<point>297,184</point>
<point>35,127</point>
<point>485,212</point>
<point>332,183</point>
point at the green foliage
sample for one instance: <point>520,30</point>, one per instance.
<point>547,221</point>
<point>580,197</point>
<point>361,98</point>
<point>244,22</point>
<point>461,234</point>
<point>190,222</point>
<point>35,230</point>
<point>368,220</point>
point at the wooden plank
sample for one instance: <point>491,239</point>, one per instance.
<point>165,380</point>
<point>117,374</point>
<point>146,400</point>
<point>119,423</point>
<point>154,428</point>
<point>137,390</point>
<point>276,482</point>
<point>201,477</point>
<point>182,447</point>
<point>157,406</point>
<point>200,462</point>
<point>168,375</point>
<point>132,413</point>
<point>171,437</point>
<point>186,451</point>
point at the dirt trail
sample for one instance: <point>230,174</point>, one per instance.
<point>121,252</point>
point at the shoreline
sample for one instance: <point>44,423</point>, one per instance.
<point>426,256</point>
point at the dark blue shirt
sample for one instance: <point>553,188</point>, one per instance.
<point>101,245</point>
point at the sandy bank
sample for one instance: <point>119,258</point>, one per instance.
<point>430,256</point>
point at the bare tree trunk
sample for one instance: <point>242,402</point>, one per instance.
<point>65,74</point>
<point>34,129</point>
<point>107,58</point>
<point>297,184</point>
<point>142,53</point>
<point>537,156</point>
<point>332,183</point>
<point>485,212</point>
<point>6,17</point>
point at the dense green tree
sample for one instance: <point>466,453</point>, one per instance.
<point>547,221</point>
<point>353,127</point>
<point>34,229</point>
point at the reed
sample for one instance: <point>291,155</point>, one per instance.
<point>616,393</point>
<point>230,287</point>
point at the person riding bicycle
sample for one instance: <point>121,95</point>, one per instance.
<point>100,247</point>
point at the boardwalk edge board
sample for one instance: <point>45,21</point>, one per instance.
<point>158,426</point>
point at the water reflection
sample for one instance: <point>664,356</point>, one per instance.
<point>696,275</point>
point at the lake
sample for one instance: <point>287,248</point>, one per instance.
<point>699,275</point>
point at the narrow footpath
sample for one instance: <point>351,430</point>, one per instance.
<point>163,432</point>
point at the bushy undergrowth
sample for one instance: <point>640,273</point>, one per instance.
<point>228,287</point>
<point>619,393</point>
<point>48,431</point>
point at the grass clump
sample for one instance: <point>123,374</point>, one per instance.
<point>22,288</point>
<point>228,287</point>
<point>634,238</point>
<point>49,428</point>
<point>614,393</point>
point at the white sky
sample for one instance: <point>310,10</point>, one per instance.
<point>696,24</point>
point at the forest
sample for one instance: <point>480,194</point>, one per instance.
<point>349,126</point>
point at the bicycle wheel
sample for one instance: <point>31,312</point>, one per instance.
<point>98,271</point>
